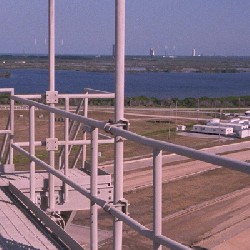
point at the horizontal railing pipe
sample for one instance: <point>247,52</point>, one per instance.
<point>5,131</point>
<point>90,96</point>
<point>35,96</point>
<point>96,91</point>
<point>62,143</point>
<point>5,90</point>
<point>106,206</point>
<point>184,151</point>
<point>79,118</point>
<point>166,146</point>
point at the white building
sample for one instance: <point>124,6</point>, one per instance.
<point>236,126</point>
<point>181,128</point>
<point>218,130</point>
<point>244,133</point>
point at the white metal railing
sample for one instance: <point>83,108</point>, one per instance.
<point>8,132</point>
<point>157,147</point>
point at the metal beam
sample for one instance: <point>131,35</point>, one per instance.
<point>32,152</point>
<point>157,197</point>
<point>119,114</point>
<point>166,146</point>
<point>51,31</point>
<point>57,230</point>
<point>93,189</point>
<point>107,206</point>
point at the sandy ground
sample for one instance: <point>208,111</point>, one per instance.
<point>220,223</point>
<point>217,226</point>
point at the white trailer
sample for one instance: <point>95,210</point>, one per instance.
<point>236,126</point>
<point>197,128</point>
<point>181,128</point>
<point>217,130</point>
<point>244,133</point>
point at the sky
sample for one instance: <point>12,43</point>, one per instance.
<point>84,27</point>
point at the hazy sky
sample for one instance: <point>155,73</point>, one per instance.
<point>213,27</point>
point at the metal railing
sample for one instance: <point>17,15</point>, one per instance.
<point>94,126</point>
<point>6,153</point>
<point>157,148</point>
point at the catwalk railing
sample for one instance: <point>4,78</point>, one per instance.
<point>94,126</point>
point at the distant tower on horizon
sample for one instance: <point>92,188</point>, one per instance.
<point>152,51</point>
<point>193,52</point>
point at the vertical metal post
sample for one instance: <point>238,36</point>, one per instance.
<point>12,107</point>
<point>93,184</point>
<point>51,32</point>
<point>84,147</point>
<point>66,150</point>
<point>176,102</point>
<point>157,185</point>
<point>119,113</point>
<point>32,153</point>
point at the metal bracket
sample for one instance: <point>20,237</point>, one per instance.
<point>123,123</point>
<point>51,97</point>
<point>123,204</point>
<point>51,144</point>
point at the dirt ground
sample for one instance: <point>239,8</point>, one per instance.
<point>178,195</point>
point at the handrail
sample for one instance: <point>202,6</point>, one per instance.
<point>116,130</point>
<point>155,234</point>
<point>166,146</point>
<point>162,240</point>
<point>8,132</point>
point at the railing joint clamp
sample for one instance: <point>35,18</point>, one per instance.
<point>123,123</point>
<point>123,205</point>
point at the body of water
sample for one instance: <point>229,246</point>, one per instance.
<point>150,84</point>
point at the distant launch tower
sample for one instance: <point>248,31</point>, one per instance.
<point>193,52</point>
<point>152,51</point>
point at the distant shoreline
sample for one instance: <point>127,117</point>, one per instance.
<point>135,64</point>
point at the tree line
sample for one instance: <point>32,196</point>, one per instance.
<point>143,101</point>
<point>189,102</point>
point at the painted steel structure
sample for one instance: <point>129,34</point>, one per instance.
<point>118,130</point>
<point>157,148</point>
<point>117,212</point>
